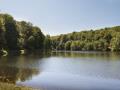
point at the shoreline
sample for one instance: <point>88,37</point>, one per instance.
<point>8,86</point>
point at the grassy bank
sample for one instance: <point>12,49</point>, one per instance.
<point>7,86</point>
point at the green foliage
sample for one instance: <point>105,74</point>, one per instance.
<point>68,45</point>
<point>115,43</point>
<point>11,34</point>
<point>16,35</point>
<point>22,35</point>
<point>106,39</point>
<point>47,43</point>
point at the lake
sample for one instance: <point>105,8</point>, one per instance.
<point>63,70</point>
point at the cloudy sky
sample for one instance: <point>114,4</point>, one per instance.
<point>63,16</point>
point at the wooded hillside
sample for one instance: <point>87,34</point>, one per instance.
<point>107,39</point>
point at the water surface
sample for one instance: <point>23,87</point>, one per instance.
<point>63,70</point>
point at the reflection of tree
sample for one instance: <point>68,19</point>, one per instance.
<point>88,54</point>
<point>13,74</point>
<point>8,74</point>
<point>26,73</point>
<point>20,68</point>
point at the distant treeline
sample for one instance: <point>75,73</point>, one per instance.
<point>20,35</point>
<point>107,39</point>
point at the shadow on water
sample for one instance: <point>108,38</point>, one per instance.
<point>16,67</point>
<point>13,74</point>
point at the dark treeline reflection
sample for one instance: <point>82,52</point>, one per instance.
<point>13,74</point>
<point>15,68</point>
<point>88,54</point>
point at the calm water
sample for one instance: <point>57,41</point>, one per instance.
<point>63,70</point>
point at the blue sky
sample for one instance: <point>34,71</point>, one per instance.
<point>63,16</point>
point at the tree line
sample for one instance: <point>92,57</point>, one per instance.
<point>107,39</point>
<point>21,35</point>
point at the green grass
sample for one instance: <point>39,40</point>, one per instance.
<point>7,86</point>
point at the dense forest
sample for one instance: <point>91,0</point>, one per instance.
<point>107,39</point>
<point>21,35</point>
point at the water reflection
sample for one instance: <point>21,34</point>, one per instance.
<point>39,69</point>
<point>13,74</point>
<point>87,54</point>
<point>14,68</point>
